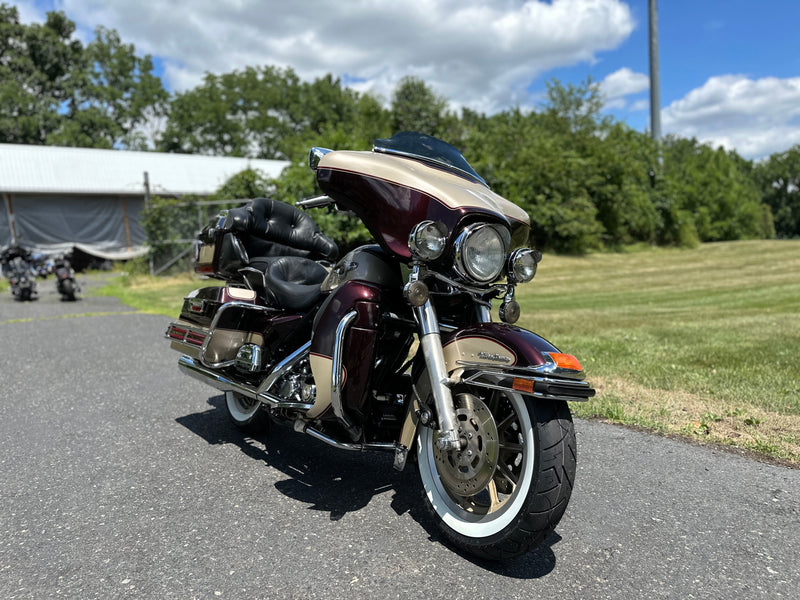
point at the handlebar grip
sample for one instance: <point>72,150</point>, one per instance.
<point>315,202</point>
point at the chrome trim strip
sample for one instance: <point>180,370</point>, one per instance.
<point>578,386</point>
<point>548,368</point>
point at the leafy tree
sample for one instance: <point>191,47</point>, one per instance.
<point>55,91</point>
<point>779,180</point>
<point>36,75</point>
<point>711,186</point>
<point>116,93</point>
<point>245,185</point>
<point>415,107</point>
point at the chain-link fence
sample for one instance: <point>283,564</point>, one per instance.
<point>172,227</point>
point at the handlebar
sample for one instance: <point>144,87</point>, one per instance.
<point>315,202</point>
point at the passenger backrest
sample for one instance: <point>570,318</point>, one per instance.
<point>272,228</point>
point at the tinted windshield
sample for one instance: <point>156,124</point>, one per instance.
<point>429,149</point>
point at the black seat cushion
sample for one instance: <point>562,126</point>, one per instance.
<point>292,282</point>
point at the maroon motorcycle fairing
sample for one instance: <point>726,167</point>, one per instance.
<point>390,210</point>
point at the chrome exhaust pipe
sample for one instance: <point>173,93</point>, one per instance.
<point>195,370</point>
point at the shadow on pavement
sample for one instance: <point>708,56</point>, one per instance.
<point>339,482</point>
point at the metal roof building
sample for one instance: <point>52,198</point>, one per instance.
<point>55,197</point>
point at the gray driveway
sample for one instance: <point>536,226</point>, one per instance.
<point>121,478</point>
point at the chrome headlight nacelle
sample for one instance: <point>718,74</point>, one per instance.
<point>480,252</point>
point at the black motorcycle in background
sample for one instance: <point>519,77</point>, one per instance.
<point>16,266</point>
<point>65,278</point>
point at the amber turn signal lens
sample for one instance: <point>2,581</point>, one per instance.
<point>566,361</point>
<point>522,385</point>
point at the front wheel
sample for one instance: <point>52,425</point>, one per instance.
<point>506,490</point>
<point>246,413</point>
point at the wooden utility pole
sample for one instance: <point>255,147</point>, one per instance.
<point>655,86</point>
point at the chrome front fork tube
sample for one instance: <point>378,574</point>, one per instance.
<point>431,342</point>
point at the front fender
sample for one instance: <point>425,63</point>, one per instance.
<point>494,345</point>
<point>502,357</point>
<point>506,357</point>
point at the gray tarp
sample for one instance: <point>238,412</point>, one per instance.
<point>107,227</point>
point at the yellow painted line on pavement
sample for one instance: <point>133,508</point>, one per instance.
<point>73,316</point>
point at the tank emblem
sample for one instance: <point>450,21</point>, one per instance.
<point>494,357</point>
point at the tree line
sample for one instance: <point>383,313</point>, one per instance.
<point>587,180</point>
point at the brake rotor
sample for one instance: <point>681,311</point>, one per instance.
<point>468,471</point>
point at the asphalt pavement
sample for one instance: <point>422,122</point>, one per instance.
<point>122,478</point>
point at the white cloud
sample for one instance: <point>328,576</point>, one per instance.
<point>478,54</point>
<point>29,12</point>
<point>621,83</point>
<point>757,117</point>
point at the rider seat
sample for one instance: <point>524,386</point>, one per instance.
<point>282,244</point>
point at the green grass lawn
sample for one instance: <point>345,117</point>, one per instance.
<point>154,295</point>
<point>703,343</point>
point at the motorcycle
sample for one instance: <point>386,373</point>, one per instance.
<point>17,268</point>
<point>394,347</point>
<point>65,279</point>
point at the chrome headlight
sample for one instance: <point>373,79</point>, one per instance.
<point>427,240</point>
<point>522,264</point>
<point>481,252</point>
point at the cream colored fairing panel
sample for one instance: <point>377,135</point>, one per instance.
<point>451,190</point>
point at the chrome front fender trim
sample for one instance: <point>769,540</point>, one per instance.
<point>545,388</point>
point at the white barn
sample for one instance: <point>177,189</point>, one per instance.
<point>53,198</point>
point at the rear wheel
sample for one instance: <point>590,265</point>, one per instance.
<point>507,488</point>
<point>246,413</point>
<point>68,290</point>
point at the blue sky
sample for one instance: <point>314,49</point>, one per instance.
<point>730,69</point>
